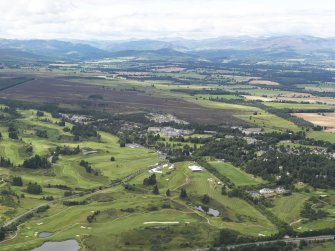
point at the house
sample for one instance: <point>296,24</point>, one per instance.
<point>154,129</point>
<point>281,190</point>
<point>195,168</point>
<point>253,194</point>
<point>266,191</point>
<point>250,131</point>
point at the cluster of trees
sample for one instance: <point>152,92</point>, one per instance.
<point>59,186</point>
<point>88,167</point>
<point>309,212</point>
<point>150,181</point>
<point>17,181</point>
<point>183,194</point>
<point>48,198</point>
<point>61,123</point>
<point>90,218</point>
<point>74,203</point>
<point>36,162</point>
<point>34,188</point>
<point>5,162</point>
<point>39,114</point>
<point>42,209</point>
<point>234,150</point>
<point>66,150</point>
<point>315,169</point>
<point>84,131</point>
<point>42,133</point>
<point>13,132</point>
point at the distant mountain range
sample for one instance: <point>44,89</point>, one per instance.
<point>222,43</point>
<point>74,50</point>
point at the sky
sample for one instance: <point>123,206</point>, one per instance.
<point>152,19</point>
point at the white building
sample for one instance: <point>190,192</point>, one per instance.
<point>195,168</point>
<point>266,191</point>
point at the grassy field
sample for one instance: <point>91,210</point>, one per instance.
<point>288,208</point>
<point>297,106</point>
<point>269,122</point>
<point>234,213</point>
<point>328,246</point>
<point>320,135</point>
<point>67,170</point>
<point>115,224</point>
<point>236,175</point>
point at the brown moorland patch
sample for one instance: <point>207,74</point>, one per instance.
<point>62,91</point>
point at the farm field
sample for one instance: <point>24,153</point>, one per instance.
<point>326,120</point>
<point>297,106</point>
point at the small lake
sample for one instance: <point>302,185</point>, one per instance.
<point>69,245</point>
<point>44,234</point>
<point>210,211</point>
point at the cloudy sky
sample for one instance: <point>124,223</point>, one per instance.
<point>123,19</point>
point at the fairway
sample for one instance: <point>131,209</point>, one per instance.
<point>236,175</point>
<point>288,208</point>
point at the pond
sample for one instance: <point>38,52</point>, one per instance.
<point>69,245</point>
<point>209,211</point>
<point>44,234</point>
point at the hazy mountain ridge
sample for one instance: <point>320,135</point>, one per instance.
<point>57,50</point>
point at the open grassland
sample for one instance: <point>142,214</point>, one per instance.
<point>297,106</point>
<point>236,175</point>
<point>321,135</point>
<point>269,122</point>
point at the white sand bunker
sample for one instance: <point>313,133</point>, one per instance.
<point>161,222</point>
